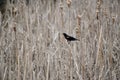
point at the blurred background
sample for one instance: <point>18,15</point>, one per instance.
<point>32,46</point>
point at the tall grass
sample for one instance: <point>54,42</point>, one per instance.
<point>32,46</point>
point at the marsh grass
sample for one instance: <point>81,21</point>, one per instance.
<point>32,46</point>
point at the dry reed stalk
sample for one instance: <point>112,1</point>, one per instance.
<point>18,67</point>
<point>99,55</point>
<point>48,66</point>
<point>5,73</point>
<point>99,2</point>
<point>62,22</point>
<point>70,65</point>
<point>69,4</point>
<point>78,29</point>
<point>25,67</point>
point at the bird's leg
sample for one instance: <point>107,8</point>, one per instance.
<point>68,42</point>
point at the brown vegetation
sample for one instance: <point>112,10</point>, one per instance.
<point>32,46</point>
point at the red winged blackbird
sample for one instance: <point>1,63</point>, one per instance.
<point>69,38</point>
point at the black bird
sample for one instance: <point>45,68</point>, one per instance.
<point>69,38</point>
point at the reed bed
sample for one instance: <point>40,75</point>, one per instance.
<point>32,46</point>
